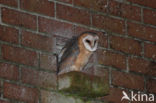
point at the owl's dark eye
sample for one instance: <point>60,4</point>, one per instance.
<point>88,41</point>
<point>95,42</point>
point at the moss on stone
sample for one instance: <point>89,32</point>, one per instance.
<point>83,84</point>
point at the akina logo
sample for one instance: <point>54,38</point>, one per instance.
<point>140,97</point>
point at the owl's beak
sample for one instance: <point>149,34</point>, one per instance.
<point>92,44</point>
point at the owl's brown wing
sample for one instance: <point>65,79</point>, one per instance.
<point>68,54</point>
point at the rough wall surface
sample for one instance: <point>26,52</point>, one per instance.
<point>31,31</point>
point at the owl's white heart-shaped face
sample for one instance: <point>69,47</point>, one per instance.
<point>91,42</point>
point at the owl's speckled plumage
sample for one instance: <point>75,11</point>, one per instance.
<point>77,51</point>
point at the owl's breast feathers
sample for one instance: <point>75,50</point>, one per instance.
<point>83,56</point>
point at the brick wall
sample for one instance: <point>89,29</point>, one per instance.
<point>32,31</point>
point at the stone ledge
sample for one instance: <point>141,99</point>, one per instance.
<point>82,84</point>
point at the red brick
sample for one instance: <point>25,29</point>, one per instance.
<point>108,23</point>
<point>111,59</point>
<point>18,18</point>
<point>9,2</point>
<point>142,66</point>
<point>150,16</point>
<point>103,39</point>
<point>66,1</point>
<point>141,31</point>
<point>79,30</point>
<point>3,101</point>
<point>61,41</point>
<point>98,5</point>
<point>39,78</point>
<point>138,65</point>
<point>148,3</point>
<point>127,80</point>
<point>125,45</point>
<point>152,69</point>
<point>115,96</point>
<point>150,51</point>
<point>9,71</point>
<point>73,14</point>
<point>1,89</point>
<point>39,6</point>
<point>26,94</point>
<point>102,35</point>
<point>37,41</point>
<point>124,10</point>
<point>48,62</point>
<point>56,27</point>
<point>151,85</point>
<point>8,34</point>
<point>19,55</point>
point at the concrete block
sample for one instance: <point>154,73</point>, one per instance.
<point>83,84</point>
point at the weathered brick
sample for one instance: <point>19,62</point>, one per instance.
<point>39,78</point>
<point>55,27</point>
<point>8,34</point>
<point>149,16</point>
<point>148,3</point>
<point>103,39</point>
<point>9,71</point>
<point>98,5</point>
<point>22,93</point>
<point>18,18</point>
<point>3,101</point>
<point>152,69</point>
<point>78,30</point>
<point>150,51</point>
<point>39,6</point>
<point>61,41</point>
<point>1,88</point>
<point>138,65</point>
<point>19,55</point>
<point>142,66</point>
<point>151,85</point>
<point>108,23</point>
<point>125,45</point>
<point>37,41</point>
<point>141,31</point>
<point>127,80</point>
<point>73,14</point>
<point>124,10</point>
<point>66,1</point>
<point>111,59</point>
<point>48,62</point>
<point>9,2</point>
<point>115,96</point>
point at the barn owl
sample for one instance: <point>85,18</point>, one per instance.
<point>76,53</point>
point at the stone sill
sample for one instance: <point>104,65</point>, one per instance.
<point>82,84</point>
